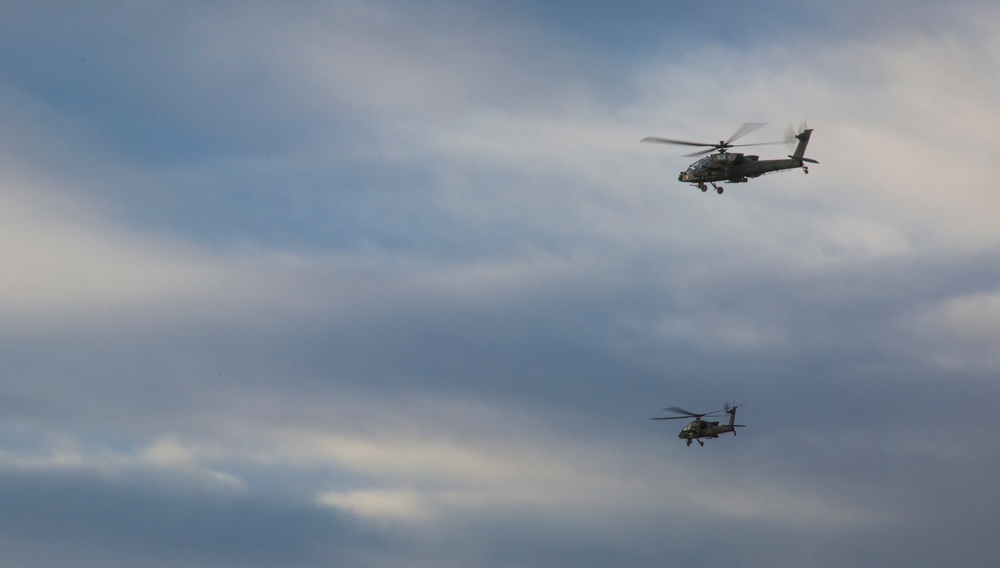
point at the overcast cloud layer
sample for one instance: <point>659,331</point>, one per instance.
<point>368,284</point>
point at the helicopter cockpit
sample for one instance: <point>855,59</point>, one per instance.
<point>725,159</point>
<point>702,163</point>
<point>714,161</point>
<point>695,425</point>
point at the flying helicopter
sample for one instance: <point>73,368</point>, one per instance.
<point>736,167</point>
<point>700,428</point>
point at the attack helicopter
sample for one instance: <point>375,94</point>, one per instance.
<point>736,167</point>
<point>701,428</point>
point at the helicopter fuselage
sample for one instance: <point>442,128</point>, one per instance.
<point>734,168</point>
<point>704,429</point>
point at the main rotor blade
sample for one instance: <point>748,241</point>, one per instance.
<point>756,144</point>
<point>742,131</point>
<point>679,410</point>
<point>672,418</point>
<point>699,152</point>
<point>671,141</point>
<point>702,152</point>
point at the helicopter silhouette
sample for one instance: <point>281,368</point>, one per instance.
<point>700,428</point>
<point>736,167</point>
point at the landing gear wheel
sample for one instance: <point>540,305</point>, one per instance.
<point>700,443</point>
<point>689,442</point>
<point>718,190</point>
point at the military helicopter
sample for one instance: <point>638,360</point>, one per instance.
<point>699,428</point>
<point>736,167</point>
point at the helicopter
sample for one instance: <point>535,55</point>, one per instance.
<point>736,167</point>
<point>700,428</point>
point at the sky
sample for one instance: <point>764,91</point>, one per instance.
<point>386,284</point>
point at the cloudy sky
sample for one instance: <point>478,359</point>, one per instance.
<point>393,284</point>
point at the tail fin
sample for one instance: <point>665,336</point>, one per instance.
<point>731,411</point>
<point>800,150</point>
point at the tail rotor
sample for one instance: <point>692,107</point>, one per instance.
<point>792,135</point>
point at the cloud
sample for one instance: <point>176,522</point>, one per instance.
<point>166,458</point>
<point>410,269</point>
<point>68,517</point>
<point>59,263</point>
<point>959,332</point>
<point>395,504</point>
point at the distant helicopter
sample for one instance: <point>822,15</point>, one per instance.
<point>738,168</point>
<point>699,428</point>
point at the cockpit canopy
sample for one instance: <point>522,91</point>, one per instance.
<point>714,161</point>
<point>699,164</point>
<point>695,425</point>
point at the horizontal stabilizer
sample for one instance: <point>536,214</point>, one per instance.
<point>810,160</point>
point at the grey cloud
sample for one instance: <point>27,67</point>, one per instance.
<point>69,517</point>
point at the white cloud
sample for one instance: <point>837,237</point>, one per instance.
<point>167,457</point>
<point>168,452</point>
<point>379,504</point>
<point>65,258</point>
